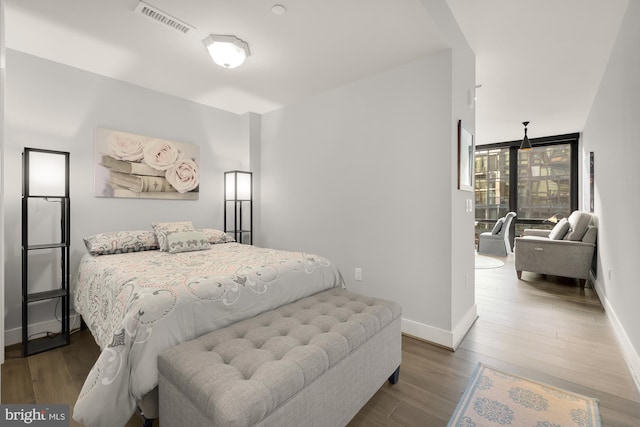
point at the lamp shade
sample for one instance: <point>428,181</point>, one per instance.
<point>525,145</point>
<point>227,51</point>
<point>238,185</point>
<point>47,173</point>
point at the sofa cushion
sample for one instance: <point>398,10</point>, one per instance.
<point>560,230</point>
<point>496,228</point>
<point>578,221</point>
<point>590,235</point>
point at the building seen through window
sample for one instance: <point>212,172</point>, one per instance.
<point>536,184</point>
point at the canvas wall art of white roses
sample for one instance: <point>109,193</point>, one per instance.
<point>136,166</point>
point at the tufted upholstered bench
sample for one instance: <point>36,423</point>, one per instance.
<point>311,363</point>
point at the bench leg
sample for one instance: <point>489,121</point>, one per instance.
<point>393,379</point>
<point>582,282</point>
<point>519,273</point>
<point>146,422</point>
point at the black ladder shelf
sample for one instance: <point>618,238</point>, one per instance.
<point>31,193</point>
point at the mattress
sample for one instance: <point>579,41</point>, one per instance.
<point>139,304</point>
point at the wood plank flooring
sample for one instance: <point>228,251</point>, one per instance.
<point>543,328</point>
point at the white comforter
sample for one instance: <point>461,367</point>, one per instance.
<point>140,304</point>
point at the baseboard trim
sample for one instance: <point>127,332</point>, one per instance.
<point>464,326</point>
<point>427,333</point>
<point>443,338</point>
<point>629,353</point>
<point>14,336</point>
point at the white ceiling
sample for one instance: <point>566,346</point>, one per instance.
<point>316,46</point>
<point>536,60</point>
<point>539,61</point>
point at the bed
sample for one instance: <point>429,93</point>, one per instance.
<point>139,304</point>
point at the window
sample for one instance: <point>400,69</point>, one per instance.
<point>491,186</point>
<point>544,181</point>
<point>535,184</point>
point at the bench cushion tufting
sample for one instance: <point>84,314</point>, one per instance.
<point>238,375</point>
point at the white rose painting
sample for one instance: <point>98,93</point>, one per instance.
<point>141,167</point>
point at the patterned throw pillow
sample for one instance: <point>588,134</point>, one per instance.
<point>187,241</point>
<point>116,242</point>
<point>162,228</point>
<point>217,236</point>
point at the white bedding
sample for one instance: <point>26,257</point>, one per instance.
<point>140,304</point>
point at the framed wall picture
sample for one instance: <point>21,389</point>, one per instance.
<point>142,167</point>
<point>466,150</point>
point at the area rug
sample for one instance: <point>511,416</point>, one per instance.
<point>487,262</point>
<point>495,398</point>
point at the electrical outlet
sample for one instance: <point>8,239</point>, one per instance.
<point>358,274</point>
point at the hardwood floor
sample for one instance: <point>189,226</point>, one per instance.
<point>546,329</point>
<point>543,328</point>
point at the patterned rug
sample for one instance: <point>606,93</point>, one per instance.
<point>495,398</point>
<point>487,262</point>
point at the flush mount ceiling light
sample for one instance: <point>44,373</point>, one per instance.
<point>227,51</point>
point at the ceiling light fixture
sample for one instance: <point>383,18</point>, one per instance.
<point>227,51</point>
<point>525,145</point>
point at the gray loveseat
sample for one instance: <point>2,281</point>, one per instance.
<point>565,251</point>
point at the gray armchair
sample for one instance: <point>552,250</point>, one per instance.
<point>565,251</point>
<point>497,242</point>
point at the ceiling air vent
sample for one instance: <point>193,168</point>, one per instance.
<point>164,18</point>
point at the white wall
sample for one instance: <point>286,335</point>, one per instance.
<point>611,132</point>
<point>360,175</point>
<point>364,174</point>
<point>463,69</point>
<point>53,106</point>
<point>254,126</point>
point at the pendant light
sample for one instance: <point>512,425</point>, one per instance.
<point>525,145</point>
